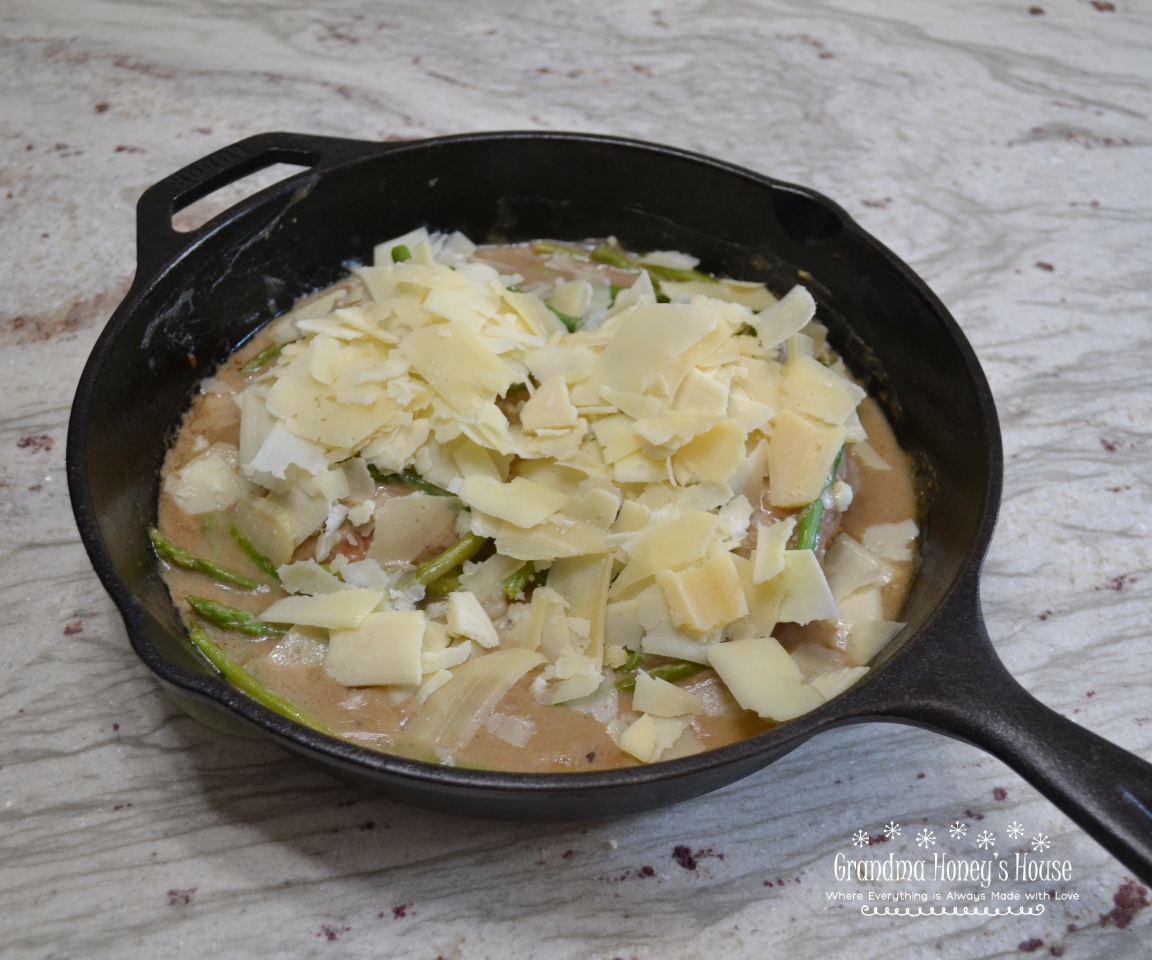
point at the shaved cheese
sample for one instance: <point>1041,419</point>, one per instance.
<point>361,486</point>
<point>768,560</point>
<point>282,450</point>
<point>521,502</point>
<point>306,512</point>
<point>863,639</point>
<point>835,682</point>
<point>267,526</point>
<point>571,363</point>
<point>663,699</point>
<point>763,599</point>
<point>342,610</point>
<point>432,684</point>
<point>583,583</point>
<point>716,454</point>
<point>333,484</point>
<point>466,618</point>
<point>892,541</point>
<point>785,317</point>
<point>649,737</point>
<point>867,456</point>
<point>572,297</point>
<point>209,482</point>
<point>705,595</point>
<point>617,436</point>
<point>672,429</point>
<point>749,476</point>
<point>649,341</point>
<point>639,468</point>
<point>486,579</point>
<point>550,540</point>
<point>550,408</point>
<point>382,252</point>
<point>753,295</point>
<point>622,624</point>
<point>806,593</point>
<point>848,567</point>
<point>800,457</point>
<point>451,716</point>
<point>700,393</point>
<point>307,576</point>
<point>814,390</point>
<point>867,603</point>
<point>383,649</point>
<point>433,661</point>
<point>300,647</point>
<point>668,545</point>
<point>764,678</point>
<point>407,526</point>
<point>457,363</point>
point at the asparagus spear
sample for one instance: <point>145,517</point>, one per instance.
<point>234,674</point>
<point>676,670</point>
<point>809,524</point>
<point>264,357</point>
<point>167,550</point>
<point>409,478</point>
<point>515,584</point>
<point>230,618</point>
<point>614,258</point>
<point>253,554</point>
<point>463,549</point>
<point>444,585</point>
<point>400,253</point>
<point>630,665</point>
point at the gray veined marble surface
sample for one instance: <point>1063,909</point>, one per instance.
<point>1004,152</point>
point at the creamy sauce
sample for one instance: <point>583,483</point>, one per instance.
<point>564,738</point>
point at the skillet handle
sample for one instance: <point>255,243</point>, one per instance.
<point>1106,790</point>
<point>157,242</point>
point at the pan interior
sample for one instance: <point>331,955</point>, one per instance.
<point>258,258</point>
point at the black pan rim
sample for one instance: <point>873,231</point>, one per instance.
<point>844,709</point>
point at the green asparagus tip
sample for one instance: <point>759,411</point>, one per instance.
<point>178,556</point>
<point>231,618</point>
<point>463,549</point>
<point>264,357</point>
<point>409,479</point>
<point>246,683</point>
<point>253,554</point>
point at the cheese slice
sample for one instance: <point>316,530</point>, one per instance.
<point>521,502</point>
<point>762,677</point>
<point>768,559</point>
<point>663,699</point>
<point>800,457</point>
<point>383,649</point>
<point>343,610</point>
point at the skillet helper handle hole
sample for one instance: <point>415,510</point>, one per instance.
<point>158,240</point>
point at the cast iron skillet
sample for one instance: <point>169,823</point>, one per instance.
<point>197,296</point>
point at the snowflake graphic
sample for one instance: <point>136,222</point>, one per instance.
<point>958,830</point>
<point>1015,830</point>
<point>860,839</point>
<point>1040,843</point>
<point>986,840</point>
<point>925,838</point>
<point>891,829</point>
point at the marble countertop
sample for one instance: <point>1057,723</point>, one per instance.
<point>1004,152</point>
